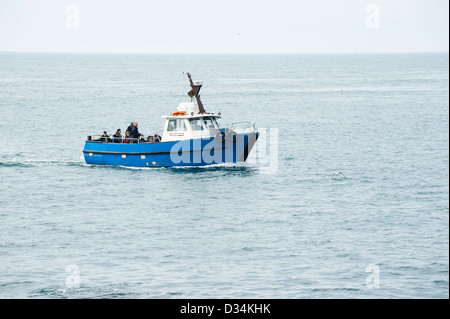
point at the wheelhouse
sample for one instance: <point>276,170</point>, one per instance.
<point>180,127</point>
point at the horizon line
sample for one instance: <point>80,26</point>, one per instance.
<point>221,53</point>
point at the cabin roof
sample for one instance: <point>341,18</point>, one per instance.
<point>190,116</point>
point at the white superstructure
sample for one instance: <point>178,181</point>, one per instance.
<point>187,123</point>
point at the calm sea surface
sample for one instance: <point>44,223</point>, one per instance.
<point>378,229</point>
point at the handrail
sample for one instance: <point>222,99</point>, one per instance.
<point>111,139</point>
<point>242,126</point>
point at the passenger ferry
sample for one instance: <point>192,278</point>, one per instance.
<point>191,137</point>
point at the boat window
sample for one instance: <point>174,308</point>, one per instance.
<point>172,125</point>
<point>176,125</point>
<point>181,125</point>
<point>196,124</point>
<point>209,123</point>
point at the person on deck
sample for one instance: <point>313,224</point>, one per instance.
<point>156,138</point>
<point>117,137</point>
<point>135,132</point>
<point>105,137</point>
<point>129,128</point>
<point>127,139</point>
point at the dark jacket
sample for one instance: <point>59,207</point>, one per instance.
<point>135,132</point>
<point>105,138</point>
<point>117,138</point>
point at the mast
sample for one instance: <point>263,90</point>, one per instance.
<point>194,92</point>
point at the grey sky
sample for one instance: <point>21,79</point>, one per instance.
<point>231,26</point>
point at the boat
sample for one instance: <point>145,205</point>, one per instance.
<point>191,137</point>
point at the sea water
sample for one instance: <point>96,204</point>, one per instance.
<point>351,202</point>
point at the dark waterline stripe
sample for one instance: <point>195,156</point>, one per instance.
<point>150,153</point>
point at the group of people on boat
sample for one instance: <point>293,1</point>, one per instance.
<point>132,136</point>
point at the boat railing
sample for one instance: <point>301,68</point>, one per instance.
<point>116,140</point>
<point>242,127</point>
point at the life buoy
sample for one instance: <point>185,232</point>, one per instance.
<point>179,113</point>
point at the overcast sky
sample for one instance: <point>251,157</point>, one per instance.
<point>226,26</point>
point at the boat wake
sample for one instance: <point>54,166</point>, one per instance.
<point>181,169</point>
<point>41,162</point>
<point>223,167</point>
<point>13,164</point>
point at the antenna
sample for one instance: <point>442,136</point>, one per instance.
<point>196,86</point>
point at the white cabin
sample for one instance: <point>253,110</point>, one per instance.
<point>187,123</point>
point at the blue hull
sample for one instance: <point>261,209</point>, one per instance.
<point>194,152</point>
